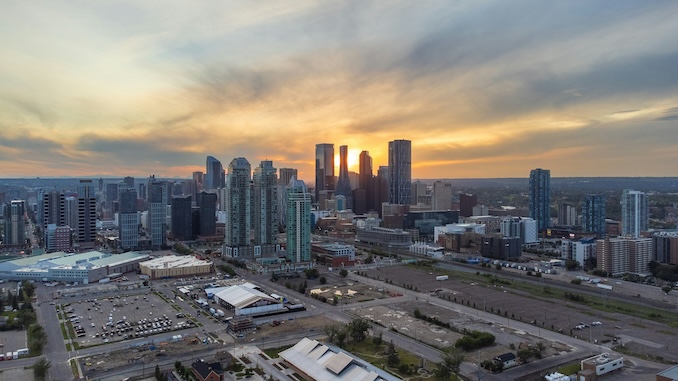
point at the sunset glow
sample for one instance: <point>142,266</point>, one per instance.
<point>481,89</point>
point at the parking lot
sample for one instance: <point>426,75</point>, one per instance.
<point>97,321</point>
<point>10,341</point>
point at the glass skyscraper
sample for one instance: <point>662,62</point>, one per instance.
<point>540,197</point>
<point>298,222</point>
<point>400,171</point>
<point>593,215</point>
<point>324,169</point>
<point>634,213</point>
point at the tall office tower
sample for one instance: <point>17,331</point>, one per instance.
<point>265,210</point>
<point>198,179</point>
<point>363,198</point>
<point>540,197</point>
<point>111,193</point>
<point>634,213</point>
<point>182,218</point>
<point>324,172</point>
<point>466,204</point>
<point>128,218</point>
<point>156,214</point>
<point>418,193</point>
<point>142,193</point>
<point>593,215</point>
<point>69,211</point>
<point>50,212</point>
<point>87,215</point>
<point>381,188</point>
<point>128,181</point>
<point>298,222</point>
<point>14,223</point>
<point>400,172</point>
<point>344,183</point>
<point>101,184</point>
<point>567,214</point>
<point>214,177</point>
<point>442,196</point>
<point>207,204</point>
<point>286,175</point>
<point>238,207</point>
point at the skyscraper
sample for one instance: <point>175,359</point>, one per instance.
<point>128,181</point>
<point>344,183</point>
<point>540,197</point>
<point>381,189</point>
<point>207,204</point>
<point>400,171</point>
<point>214,177</point>
<point>87,215</point>
<point>634,213</point>
<point>442,196</point>
<point>128,219</point>
<point>238,206</point>
<point>265,204</point>
<point>567,214</point>
<point>286,175</point>
<point>14,223</point>
<point>156,213</point>
<point>324,171</point>
<point>593,215</point>
<point>363,197</point>
<point>298,222</point>
<point>182,219</point>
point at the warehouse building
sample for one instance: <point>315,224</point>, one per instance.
<point>246,299</point>
<point>175,266</point>
<point>317,361</point>
<point>88,267</point>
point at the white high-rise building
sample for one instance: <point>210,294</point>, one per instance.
<point>634,213</point>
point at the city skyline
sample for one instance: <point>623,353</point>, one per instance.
<point>482,90</point>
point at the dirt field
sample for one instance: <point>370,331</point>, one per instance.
<point>648,337</point>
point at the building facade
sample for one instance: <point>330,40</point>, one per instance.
<point>128,223</point>
<point>634,213</point>
<point>157,225</point>
<point>593,215</point>
<point>207,204</point>
<point>540,197</point>
<point>442,196</point>
<point>86,235</point>
<point>344,183</point>
<point>214,174</point>
<point>400,171</point>
<point>324,171</point>
<point>623,255</point>
<point>265,204</point>
<point>182,219</point>
<point>15,234</point>
<point>238,204</point>
<point>298,222</point>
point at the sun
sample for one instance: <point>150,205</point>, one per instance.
<point>352,160</point>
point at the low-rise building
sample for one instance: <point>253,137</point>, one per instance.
<point>506,360</point>
<point>173,266</point>
<point>602,364</point>
<point>385,237</point>
<point>670,374</point>
<point>334,254</point>
<point>204,371</point>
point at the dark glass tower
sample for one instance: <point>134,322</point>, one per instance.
<point>593,215</point>
<point>324,169</point>
<point>344,183</point>
<point>182,219</point>
<point>400,172</point>
<point>214,177</point>
<point>540,197</point>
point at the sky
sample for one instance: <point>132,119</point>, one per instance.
<point>482,88</point>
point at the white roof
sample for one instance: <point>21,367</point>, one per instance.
<point>243,295</point>
<point>322,364</point>
<point>174,261</point>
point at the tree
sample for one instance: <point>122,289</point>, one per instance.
<point>450,364</point>
<point>343,273</point>
<point>392,356</point>
<point>378,339</point>
<point>311,273</point>
<point>28,287</point>
<point>525,355</point>
<point>40,369</point>
<point>571,265</point>
<point>666,289</point>
<point>358,329</point>
<point>323,280</point>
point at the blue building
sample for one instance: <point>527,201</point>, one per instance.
<point>593,215</point>
<point>540,197</point>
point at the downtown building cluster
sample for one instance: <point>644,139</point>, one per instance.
<point>269,215</point>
